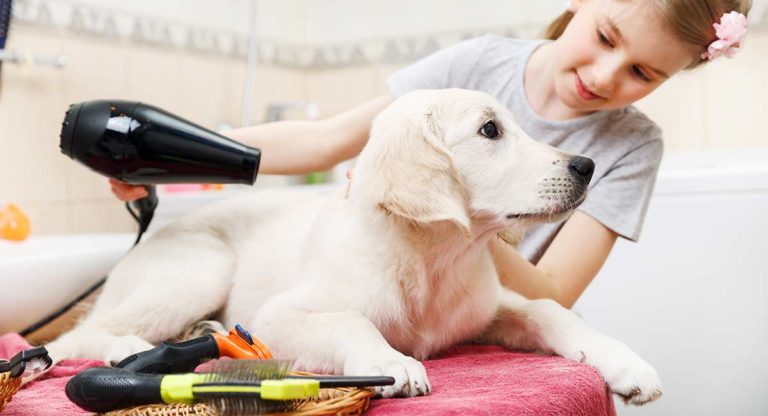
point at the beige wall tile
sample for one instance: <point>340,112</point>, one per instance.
<point>48,217</point>
<point>736,97</point>
<point>339,90</point>
<point>274,85</point>
<point>679,108</point>
<point>78,217</point>
<point>195,88</point>
<point>31,112</point>
<point>85,184</point>
<point>234,92</point>
<point>99,217</point>
<point>96,69</point>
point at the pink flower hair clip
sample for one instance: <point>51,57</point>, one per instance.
<point>730,36</point>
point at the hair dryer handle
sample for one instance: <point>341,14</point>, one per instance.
<point>148,203</point>
<point>146,209</point>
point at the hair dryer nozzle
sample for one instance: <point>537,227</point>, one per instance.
<point>141,144</point>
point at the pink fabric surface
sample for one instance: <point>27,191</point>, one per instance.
<point>44,396</point>
<point>468,379</point>
<point>488,380</point>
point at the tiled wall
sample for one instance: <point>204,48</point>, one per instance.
<point>62,196</point>
<point>719,106</point>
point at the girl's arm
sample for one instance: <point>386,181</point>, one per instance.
<point>304,146</point>
<point>296,147</point>
<point>570,263</point>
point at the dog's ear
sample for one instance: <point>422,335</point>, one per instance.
<point>414,175</point>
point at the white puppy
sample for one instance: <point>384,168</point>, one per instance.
<point>373,282</point>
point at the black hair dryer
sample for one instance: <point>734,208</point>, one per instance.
<point>140,144</point>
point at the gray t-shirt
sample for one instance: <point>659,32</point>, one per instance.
<point>625,145</point>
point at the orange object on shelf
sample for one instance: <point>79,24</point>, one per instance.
<point>14,223</point>
<point>213,186</point>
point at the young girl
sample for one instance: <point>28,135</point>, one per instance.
<point>573,91</point>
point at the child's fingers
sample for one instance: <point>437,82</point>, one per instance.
<point>134,194</point>
<point>126,192</point>
<point>121,195</point>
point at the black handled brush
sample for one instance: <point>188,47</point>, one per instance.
<point>234,387</point>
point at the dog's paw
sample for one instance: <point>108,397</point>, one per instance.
<point>409,374</point>
<point>627,375</point>
<point>119,348</point>
<point>637,383</point>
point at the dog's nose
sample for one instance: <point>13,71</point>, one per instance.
<point>582,168</point>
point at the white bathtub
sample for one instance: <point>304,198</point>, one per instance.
<point>43,273</point>
<point>692,296</point>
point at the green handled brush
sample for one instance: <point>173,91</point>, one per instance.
<point>231,387</point>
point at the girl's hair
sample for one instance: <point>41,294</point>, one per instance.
<point>690,20</point>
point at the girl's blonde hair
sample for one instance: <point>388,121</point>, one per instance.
<point>690,20</point>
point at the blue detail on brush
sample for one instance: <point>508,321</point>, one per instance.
<point>244,334</point>
<point>5,21</point>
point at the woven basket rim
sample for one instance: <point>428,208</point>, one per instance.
<point>8,387</point>
<point>333,401</point>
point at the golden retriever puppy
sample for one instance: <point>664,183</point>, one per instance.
<point>372,282</point>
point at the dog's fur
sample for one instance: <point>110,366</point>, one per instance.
<point>371,282</point>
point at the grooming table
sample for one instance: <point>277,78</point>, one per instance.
<point>468,379</point>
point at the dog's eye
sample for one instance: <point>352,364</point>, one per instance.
<point>490,130</point>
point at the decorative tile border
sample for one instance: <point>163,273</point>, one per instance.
<point>105,24</point>
<point>109,25</point>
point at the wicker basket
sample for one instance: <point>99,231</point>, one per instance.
<point>8,387</point>
<point>335,401</point>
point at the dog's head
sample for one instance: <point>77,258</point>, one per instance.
<point>458,155</point>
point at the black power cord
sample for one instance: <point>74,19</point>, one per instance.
<point>146,211</point>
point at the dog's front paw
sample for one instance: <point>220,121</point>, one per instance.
<point>118,348</point>
<point>636,383</point>
<point>627,375</point>
<point>409,374</point>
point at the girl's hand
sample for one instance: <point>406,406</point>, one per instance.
<point>126,192</point>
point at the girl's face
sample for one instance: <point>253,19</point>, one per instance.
<point>614,53</point>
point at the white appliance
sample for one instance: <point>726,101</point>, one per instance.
<point>692,296</point>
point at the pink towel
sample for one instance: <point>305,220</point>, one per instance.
<point>488,380</point>
<point>469,379</point>
<point>44,396</point>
